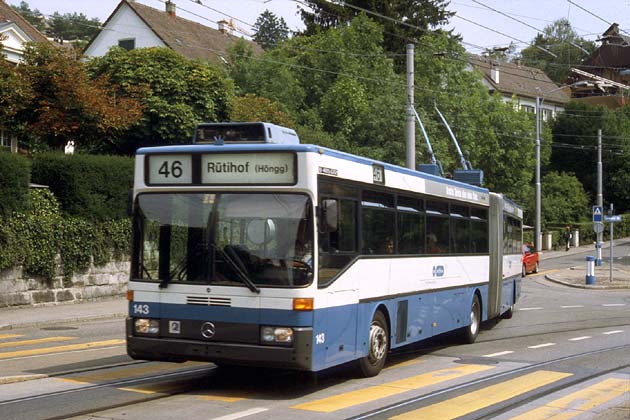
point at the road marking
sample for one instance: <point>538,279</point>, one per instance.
<point>572,306</point>
<point>612,332</point>
<point>613,304</point>
<point>540,346</point>
<point>4,336</point>
<point>242,414</point>
<point>404,364</point>
<point>140,391</point>
<point>540,273</point>
<point>35,341</point>
<point>529,309</point>
<point>130,372</point>
<point>579,402</point>
<point>220,398</point>
<point>586,337</point>
<point>501,353</point>
<point>485,397</point>
<point>55,349</point>
<point>360,396</point>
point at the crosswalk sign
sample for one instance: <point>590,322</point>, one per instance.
<point>597,214</point>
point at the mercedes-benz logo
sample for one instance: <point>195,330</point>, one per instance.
<point>208,330</point>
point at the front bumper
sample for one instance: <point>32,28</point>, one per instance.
<point>170,349</point>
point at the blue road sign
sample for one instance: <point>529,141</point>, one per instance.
<point>613,219</point>
<point>597,213</point>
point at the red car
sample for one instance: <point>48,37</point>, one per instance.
<point>530,259</point>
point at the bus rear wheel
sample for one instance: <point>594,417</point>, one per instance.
<point>378,346</point>
<point>470,332</point>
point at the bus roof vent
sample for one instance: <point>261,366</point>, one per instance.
<point>469,176</point>
<point>244,132</point>
<point>430,168</point>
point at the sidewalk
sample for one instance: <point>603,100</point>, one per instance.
<point>576,276</point>
<point>38,316</point>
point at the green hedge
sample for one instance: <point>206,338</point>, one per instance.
<point>15,174</point>
<point>34,239</point>
<point>87,186</point>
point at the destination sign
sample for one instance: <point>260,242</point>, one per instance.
<point>222,169</point>
<point>240,168</point>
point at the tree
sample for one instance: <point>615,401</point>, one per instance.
<point>15,94</point>
<point>176,93</point>
<point>251,108</point>
<point>575,141</point>
<point>564,200</point>
<point>73,26</point>
<point>568,49</point>
<point>68,105</point>
<point>270,30</point>
<point>404,21</point>
<point>34,17</point>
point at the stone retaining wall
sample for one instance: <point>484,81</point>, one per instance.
<point>17,289</point>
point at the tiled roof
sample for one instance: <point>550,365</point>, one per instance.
<point>7,14</point>
<point>190,39</point>
<point>515,79</point>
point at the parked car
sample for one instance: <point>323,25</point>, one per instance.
<point>530,259</point>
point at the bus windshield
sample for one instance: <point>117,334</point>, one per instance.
<point>232,239</point>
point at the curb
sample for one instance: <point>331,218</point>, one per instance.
<point>61,321</point>
<point>584,286</point>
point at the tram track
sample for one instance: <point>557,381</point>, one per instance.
<point>461,388</point>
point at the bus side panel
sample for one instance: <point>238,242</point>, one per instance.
<point>452,307</point>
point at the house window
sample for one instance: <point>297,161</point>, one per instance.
<point>528,108</point>
<point>547,114</point>
<point>128,44</point>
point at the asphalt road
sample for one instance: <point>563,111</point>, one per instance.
<point>565,350</point>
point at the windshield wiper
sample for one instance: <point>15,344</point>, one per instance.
<point>235,262</point>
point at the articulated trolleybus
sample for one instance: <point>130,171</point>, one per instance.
<point>250,248</point>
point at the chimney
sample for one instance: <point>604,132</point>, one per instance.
<point>494,73</point>
<point>223,26</point>
<point>170,8</point>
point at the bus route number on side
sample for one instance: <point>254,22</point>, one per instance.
<point>320,338</point>
<point>141,309</point>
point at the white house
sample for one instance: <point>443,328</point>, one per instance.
<point>521,85</point>
<point>135,25</point>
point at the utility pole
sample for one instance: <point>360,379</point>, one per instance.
<point>411,124</point>
<point>600,196</point>
<point>538,238</point>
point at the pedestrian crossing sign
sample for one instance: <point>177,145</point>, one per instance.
<point>597,213</point>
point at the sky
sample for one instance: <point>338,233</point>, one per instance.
<point>589,18</point>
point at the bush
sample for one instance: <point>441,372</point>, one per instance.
<point>15,173</point>
<point>94,188</point>
<point>35,239</point>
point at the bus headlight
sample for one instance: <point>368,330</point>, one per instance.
<point>276,335</point>
<point>147,326</point>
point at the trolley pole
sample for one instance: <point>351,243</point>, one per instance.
<point>600,196</point>
<point>537,223</point>
<point>411,123</point>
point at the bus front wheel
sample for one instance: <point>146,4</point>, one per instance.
<point>378,346</point>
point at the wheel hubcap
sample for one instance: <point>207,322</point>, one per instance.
<point>474,319</point>
<point>378,342</point>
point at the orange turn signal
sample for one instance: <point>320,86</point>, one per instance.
<point>303,304</point>
<point>130,295</point>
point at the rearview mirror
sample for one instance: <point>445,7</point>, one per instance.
<point>260,231</point>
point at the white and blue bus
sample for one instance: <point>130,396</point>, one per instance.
<point>250,248</point>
